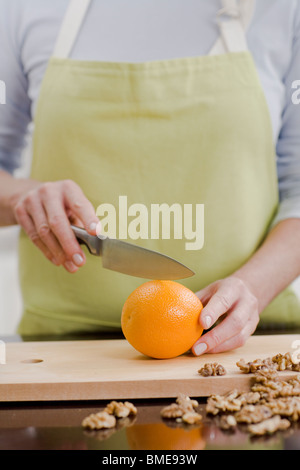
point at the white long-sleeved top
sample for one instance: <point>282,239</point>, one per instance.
<point>145,30</point>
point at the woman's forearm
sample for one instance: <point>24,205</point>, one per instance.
<point>11,190</point>
<point>276,263</point>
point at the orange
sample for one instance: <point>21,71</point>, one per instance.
<point>160,319</point>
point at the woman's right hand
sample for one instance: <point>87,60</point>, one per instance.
<point>46,211</point>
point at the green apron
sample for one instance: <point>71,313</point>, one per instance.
<point>185,131</point>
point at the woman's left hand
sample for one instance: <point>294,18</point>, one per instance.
<point>233,299</point>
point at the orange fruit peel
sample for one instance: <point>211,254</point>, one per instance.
<point>160,319</point>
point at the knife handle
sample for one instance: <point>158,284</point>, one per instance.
<point>90,241</point>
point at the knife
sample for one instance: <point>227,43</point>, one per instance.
<point>131,259</point>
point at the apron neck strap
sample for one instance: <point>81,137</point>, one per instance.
<point>70,27</point>
<point>233,20</point>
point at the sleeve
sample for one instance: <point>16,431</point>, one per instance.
<point>288,145</point>
<point>15,114</point>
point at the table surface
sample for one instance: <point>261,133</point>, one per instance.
<point>57,425</point>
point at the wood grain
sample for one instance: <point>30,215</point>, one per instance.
<point>112,369</point>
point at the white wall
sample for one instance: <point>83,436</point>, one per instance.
<point>10,295</point>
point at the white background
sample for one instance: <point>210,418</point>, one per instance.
<point>10,295</point>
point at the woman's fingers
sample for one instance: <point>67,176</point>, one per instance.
<point>46,214</point>
<point>217,299</point>
<point>236,341</point>
<point>60,227</point>
<point>232,298</point>
<point>231,333</point>
<point>25,221</point>
<point>206,293</point>
<point>34,207</point>
<point>76,202</point>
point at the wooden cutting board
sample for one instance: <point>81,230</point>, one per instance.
<point>112,369</point>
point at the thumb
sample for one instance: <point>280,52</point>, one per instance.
<point>205,295</point>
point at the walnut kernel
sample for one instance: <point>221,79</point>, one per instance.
<point>101,420</point>
<point>212,369</point>
<point>269,426</point>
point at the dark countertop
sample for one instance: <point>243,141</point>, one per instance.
<point>57,425</point>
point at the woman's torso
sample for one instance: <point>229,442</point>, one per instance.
<point>138,32</point>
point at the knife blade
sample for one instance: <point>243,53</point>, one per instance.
<point>130,259</point>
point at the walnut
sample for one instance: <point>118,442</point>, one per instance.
<point>266,375</point>
<point>183,405</point>
<point>172,411</point>
<point>186,402</point>
<point>101,420</point>
<point>287,406</point>
<point>120,409</point>
<point>212,369</point>
<point>269,386</point>
<point>250,397</point>
<point>245,367</point>
<point>107,418</point>
<point>227,422</point>
<point>283,361</point>
<point>257,364</point>
<point>278,362</point>
<point>271,400</point>
<point>269,426</point>
<point>221,403</point>
<point>295,382</point>
<point>253,414</point>
<point>183,410</point>
<point>296,367</point>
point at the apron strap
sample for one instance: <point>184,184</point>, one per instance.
<point>232,29</point>
<point>70,27</point>
<point>233,21</point>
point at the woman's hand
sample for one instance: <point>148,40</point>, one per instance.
<point>232,299</point>
<point>242,297</point>
<point>46,212</point>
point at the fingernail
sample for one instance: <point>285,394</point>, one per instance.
<point>200,349</point>
<point>98,229</point>
<point>78,259</point>
<point>70,266</point>
<point>93,227</point>
<point>207,321</point>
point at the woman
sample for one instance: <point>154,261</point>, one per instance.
<point>163,103</point>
